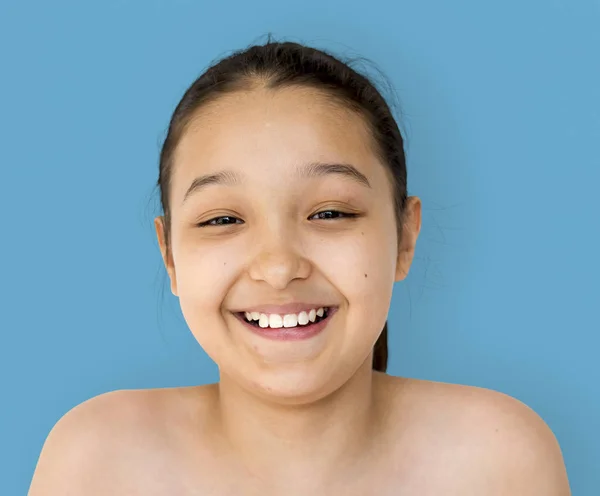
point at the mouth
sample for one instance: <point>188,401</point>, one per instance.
<point>304,319</point>
<point>289,326</point>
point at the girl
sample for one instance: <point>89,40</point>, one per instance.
<point>286,224</point>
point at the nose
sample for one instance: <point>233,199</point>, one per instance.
<point>278,259</point>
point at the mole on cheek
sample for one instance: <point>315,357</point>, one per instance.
<point>365,275</point>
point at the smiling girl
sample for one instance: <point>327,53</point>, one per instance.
<point>286,225</point>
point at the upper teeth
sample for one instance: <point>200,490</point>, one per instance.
<point>288,320</point>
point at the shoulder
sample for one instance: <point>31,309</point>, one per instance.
<point>89,440</point>
<point>514,443</point>
<point>114,412</point>
<point>504,445</point>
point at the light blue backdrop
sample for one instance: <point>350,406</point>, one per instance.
<point>500,104</point>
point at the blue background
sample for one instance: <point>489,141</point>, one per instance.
<point>500,106</point>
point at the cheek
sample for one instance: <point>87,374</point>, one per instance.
<point>204,277</point>
<point>204,273</point>
<point>361,267</point>
<point>359,263</point>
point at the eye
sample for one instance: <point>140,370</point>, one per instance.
<point>225,220</point>
<point>332,214</point>
<point>228,220</point>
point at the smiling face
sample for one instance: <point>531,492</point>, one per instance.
<point>289,204</point>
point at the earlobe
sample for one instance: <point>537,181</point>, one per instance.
<point>410,233</point>
<point>173,279</point>
<point>160,234</point>
<point>403,263</point>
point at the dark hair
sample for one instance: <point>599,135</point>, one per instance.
<point>286,64</point>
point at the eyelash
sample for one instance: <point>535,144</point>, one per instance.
<point>342,215</point>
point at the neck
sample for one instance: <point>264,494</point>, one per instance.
<point>290,441</point>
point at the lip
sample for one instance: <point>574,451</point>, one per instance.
<point>289,333</point>
<point>295,307</point>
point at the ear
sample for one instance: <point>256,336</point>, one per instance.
<point>159,225</point>
<point>410,232</point>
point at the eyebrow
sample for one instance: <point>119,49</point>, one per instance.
<point>307,171</point>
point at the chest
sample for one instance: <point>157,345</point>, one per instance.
<point>166,474</point>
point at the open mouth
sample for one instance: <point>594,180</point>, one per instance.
<point>296,321</point>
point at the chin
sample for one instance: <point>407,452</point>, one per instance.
<point>294,385</point>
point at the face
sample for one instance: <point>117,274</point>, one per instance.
<point>268,233</point>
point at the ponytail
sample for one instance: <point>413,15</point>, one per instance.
<point>380,351</point>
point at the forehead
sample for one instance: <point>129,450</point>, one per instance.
<point>270,132</point>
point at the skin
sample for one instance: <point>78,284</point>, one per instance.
<point>297,400</point>
<point>303,417</point>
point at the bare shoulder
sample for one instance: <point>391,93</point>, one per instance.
<point>98,445</point>
<point>499,444</point>
<point>68,450</point>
